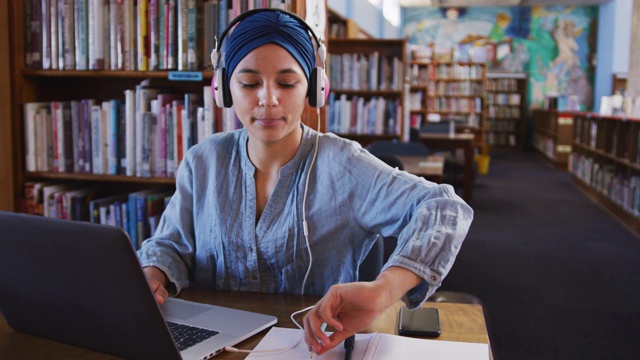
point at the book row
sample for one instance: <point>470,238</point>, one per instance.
<point>620,188</point>
<point>146,134</point>
<point>458,71</point>
<point>419,75</point>
<point>502,85</point>
<point>500,138</point>
<point>128,34</point>
<point>503,112</point>
<point>366,72</point>
<point>458,88</point>
<point>359,115</point>
<point>514,99</point>
<point>501,125</point>
<point>451,104</point>
<point>618,138</point>
<point>137,213</point>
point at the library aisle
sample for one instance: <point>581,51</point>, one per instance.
<point>557,274</point>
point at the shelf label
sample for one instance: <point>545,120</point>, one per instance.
<point>565,120</point>
<point>185,75</point>
<point>563,148</point>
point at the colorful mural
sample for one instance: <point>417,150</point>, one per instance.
<point>553,44</point>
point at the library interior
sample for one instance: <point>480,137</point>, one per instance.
<point>528,109</point>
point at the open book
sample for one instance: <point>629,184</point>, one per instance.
<point>376,346</point>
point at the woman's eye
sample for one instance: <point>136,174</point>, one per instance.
<point>287,85</point>
<point>249,85</point>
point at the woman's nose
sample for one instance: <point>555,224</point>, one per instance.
<point>268,96</point>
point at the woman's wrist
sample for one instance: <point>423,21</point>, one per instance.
<point>394,283</point>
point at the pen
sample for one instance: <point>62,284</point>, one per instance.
<point>349,344</point>
<point>323,328</point>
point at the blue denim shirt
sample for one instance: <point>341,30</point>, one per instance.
<point>208,235</point>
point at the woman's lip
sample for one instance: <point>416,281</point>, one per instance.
<point>268,121</point>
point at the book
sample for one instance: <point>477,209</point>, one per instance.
<point>31,109</point>
<point>369,347</point>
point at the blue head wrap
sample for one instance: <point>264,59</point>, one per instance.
<point>270,27</point>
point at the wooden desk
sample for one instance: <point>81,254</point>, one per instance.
<point>459,322</point>
<point>429,167</point>
<point>463,141</point>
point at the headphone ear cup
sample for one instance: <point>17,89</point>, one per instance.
<point>215,87</point>
<point>222,94</point>
<point>316,87</point>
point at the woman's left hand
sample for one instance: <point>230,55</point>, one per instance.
<point>354,307</point>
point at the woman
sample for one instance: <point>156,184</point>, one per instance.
<point>258,210</point>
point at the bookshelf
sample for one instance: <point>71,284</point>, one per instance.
<point>605,163</point>
<point>449,91</point>
<point>6,135</point>
<point>506,110</point>
<point>619,82</point>
<point>367,89</point>
<point>553,135</point>
<point>32,84</point>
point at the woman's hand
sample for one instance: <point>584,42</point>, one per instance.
<point>157,280</point>
<point>353,307</point>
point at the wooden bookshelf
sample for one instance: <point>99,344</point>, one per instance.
<point>553,135</point>
<point>450,91</point>
<point>605,163</point>
<point>30,85</point>
<point>7,197</point>
<point>354,94</point>
<point>506,109</point>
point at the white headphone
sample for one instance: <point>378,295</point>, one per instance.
<point>221,92</point>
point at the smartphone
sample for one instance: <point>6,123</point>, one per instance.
<point>419,322</point>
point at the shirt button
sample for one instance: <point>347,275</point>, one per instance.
<point>254,278</point>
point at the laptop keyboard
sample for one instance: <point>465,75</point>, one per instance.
<point>186,336</point>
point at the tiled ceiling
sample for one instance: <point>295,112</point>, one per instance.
<point>411,3</point>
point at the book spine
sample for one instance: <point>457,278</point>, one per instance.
<point>80,17</point>
<point>129,34</point>
<point>76,135</point>
<point>114,132</point>
<point>154,14</point>
<point>105,136</point>
<point>130,129</point>
<point>122,138</point>
<point>183,28</point>
<point>68,34</point>
<point>53,31</point>
<point>96,34</point>
<point>67,134</point>
<point>113,34</point>
<point>45,10</point>
<point>142,36</point>
<point>96,148</point>
<point>169,42</point>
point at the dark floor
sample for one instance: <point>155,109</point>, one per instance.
<point>558,275</point>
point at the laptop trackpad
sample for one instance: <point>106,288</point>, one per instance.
<point>182,310</point>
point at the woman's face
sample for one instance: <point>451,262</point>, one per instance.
<point>269,89</point>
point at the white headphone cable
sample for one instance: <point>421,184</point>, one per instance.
<point>304,206</point>
<point>236,350</point>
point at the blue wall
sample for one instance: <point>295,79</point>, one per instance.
<point>614,41</point>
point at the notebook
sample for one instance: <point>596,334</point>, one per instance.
<point>374,346</point>
<point>82,284</point>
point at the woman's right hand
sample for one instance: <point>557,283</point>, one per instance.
<point>157,280</point>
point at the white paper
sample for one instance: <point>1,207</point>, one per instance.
<point>368,347</point>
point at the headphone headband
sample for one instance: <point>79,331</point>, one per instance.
<point>246,14</point>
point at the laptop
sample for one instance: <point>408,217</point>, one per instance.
<point>81,283</point>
